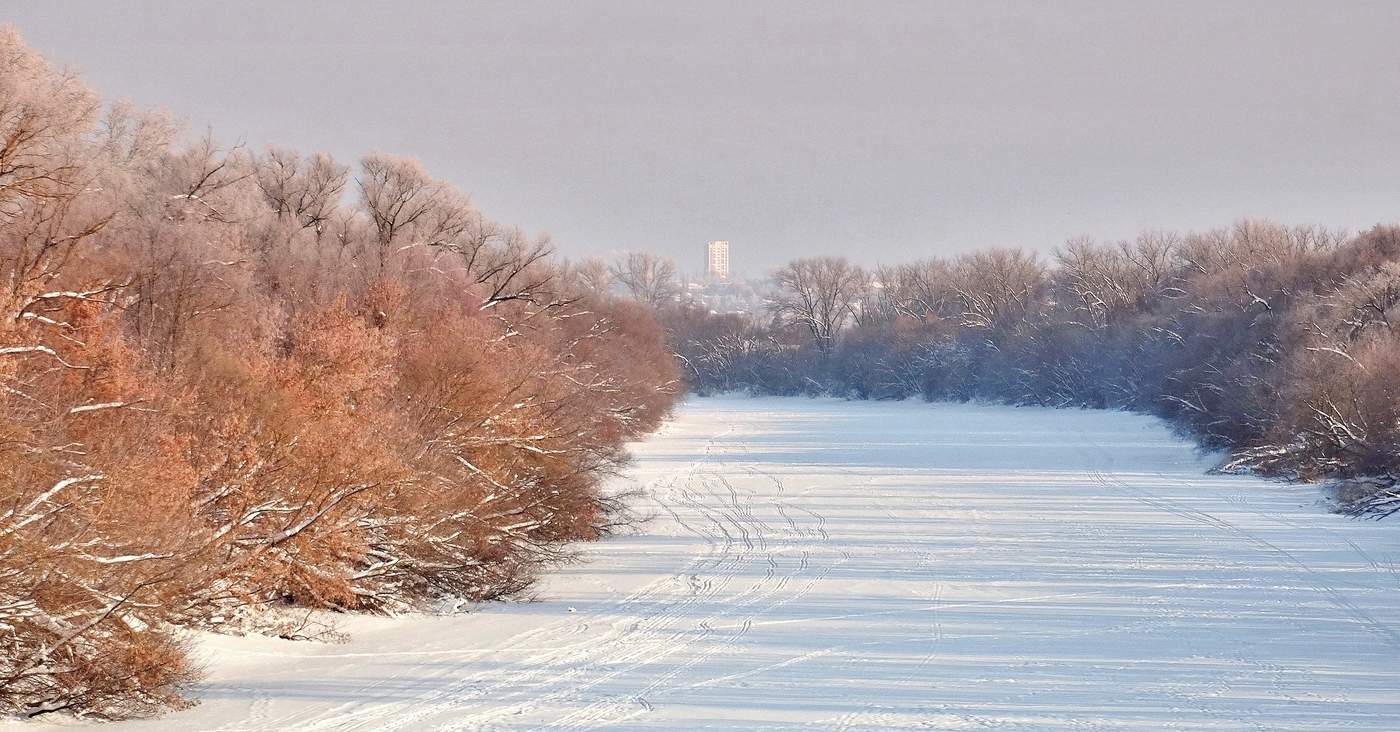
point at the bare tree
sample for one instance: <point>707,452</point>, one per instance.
<point>648,278</point>
<point>515,270</point>
<point>820,294</point>
<point>202,182</point>
<point>921,290</point>
<point>998,288</point>
<point>591,275</point>
<point>306,190</point>
<point>40,111</point>
<point>1098,284</point>
<point>411,209</point>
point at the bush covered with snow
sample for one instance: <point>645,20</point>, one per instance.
<point>1276,343</point>
<point>222,390</point>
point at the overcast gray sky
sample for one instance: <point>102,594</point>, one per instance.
<point>882,131</point>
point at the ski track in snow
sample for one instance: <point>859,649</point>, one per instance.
<point>828,565</point>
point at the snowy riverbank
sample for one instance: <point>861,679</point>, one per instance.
<point>865,565</point>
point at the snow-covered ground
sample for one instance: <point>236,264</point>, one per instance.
<point>869,566</point>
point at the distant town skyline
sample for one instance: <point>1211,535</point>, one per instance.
<point>882,132</point>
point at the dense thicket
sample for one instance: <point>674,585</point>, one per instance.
<point>223,389</point>
<point>1279,344</point>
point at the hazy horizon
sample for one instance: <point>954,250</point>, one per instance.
<point>792,129</point>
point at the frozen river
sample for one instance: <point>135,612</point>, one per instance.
<point>832,565</point>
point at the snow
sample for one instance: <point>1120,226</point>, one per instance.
<point>869,566</point>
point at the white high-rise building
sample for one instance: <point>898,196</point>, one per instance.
<point>717,260</point>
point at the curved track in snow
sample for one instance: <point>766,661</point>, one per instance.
<point>854,566</point>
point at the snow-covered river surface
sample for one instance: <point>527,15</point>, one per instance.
<point>818,564</point>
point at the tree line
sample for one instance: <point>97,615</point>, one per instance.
<point>227,389</point>
<point>237,382</point>
<point>1279,344</point>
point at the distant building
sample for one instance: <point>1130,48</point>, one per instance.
<point>717,260</point>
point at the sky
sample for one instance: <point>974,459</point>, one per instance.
<point>882,131</point>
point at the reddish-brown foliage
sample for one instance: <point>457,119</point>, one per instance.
<point>222,391</point>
